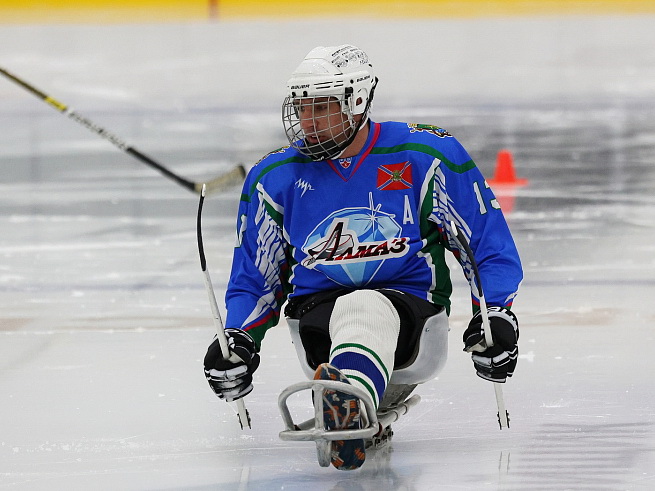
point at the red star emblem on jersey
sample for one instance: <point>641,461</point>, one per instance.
<point>395,176</point>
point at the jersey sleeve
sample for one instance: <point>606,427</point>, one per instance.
<point>462,195</point>
<point>256,288</point>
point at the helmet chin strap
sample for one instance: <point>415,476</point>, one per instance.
<point>363,121</point>
<point>352,137</point>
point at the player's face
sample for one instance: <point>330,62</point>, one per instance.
<point>322,120</point>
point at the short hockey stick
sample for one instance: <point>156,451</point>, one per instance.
<point>221,182</point>
<point>244,416</point>
<point>503,415</point>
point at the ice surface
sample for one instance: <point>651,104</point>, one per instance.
<point>104,317</point>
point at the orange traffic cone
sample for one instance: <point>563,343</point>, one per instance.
<point>505,174</point>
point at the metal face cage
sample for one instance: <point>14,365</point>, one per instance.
<point>319,127</point>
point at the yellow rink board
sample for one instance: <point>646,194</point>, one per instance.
<point>104,11</point>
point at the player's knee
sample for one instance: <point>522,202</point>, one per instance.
<point>365,312</point>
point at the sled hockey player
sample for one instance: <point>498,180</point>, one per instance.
<point>348,225</point>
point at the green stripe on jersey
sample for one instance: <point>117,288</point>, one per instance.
<point>434,248</point>
<point>275,215</point>
<point>291,160</point>
<point>427,149</point>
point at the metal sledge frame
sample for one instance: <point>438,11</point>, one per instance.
<point>314,429</point>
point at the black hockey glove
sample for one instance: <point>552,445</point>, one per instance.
<point>231,379</point>
<point>498,362</point>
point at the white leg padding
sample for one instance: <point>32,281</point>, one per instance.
<point>364,329</point>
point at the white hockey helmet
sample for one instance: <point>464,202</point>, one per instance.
<point>338,73</point>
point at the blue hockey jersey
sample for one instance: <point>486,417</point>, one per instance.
<point>380,219</point>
